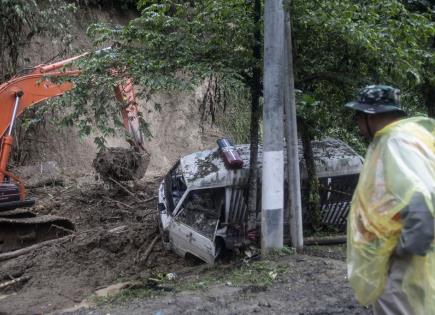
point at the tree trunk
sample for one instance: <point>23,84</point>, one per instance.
<point>429,98</point>
<point>311,196</point>
<point>253,170</point>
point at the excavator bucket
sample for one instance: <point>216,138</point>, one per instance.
<point>121,164</point>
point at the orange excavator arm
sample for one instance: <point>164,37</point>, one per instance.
<point>34,87</point>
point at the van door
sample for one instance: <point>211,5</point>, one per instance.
<point>194,227</point>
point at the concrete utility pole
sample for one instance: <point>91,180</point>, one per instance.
<point>294,184</point>
<point>273,155</point>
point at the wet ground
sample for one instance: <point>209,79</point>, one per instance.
<point>296,284</point>
<point>115,228</point>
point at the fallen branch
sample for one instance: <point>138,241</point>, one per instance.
<point>123,188</point>
<point>29,249</point>
<point>14,281</point>
<point>67,296</point>
<point>150,199</point>
<point>148,214</point>
<point>118,202</point>
<point>118,229</point>
<point>150,248</point>
<point>325,240</point>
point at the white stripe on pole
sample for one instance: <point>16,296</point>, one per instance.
<point>272,201</point>
<point>272,180</point>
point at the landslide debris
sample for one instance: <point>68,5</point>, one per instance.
<point>113,232</point>
<point>121,164</point>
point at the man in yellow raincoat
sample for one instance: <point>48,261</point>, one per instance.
<point>391,248</point>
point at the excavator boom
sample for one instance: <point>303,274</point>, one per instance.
<point>35,88</point>
<point>20,228</point>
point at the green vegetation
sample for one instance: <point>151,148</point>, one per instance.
<point>257,273</point>
<point>339,46</point>
<point>120,4</point>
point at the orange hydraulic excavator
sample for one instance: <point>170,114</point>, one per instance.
<point>19,227</point>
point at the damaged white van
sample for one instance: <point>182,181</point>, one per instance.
<point>203,204</point>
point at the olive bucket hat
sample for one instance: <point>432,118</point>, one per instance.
<point>376,99</point>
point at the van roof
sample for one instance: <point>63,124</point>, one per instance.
<point>206,168</point>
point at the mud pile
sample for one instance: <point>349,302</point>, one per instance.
<point>121,164</point>
<point>114,230</point>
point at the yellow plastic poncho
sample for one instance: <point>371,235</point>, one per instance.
<point>399,162</point>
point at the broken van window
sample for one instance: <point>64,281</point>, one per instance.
<point>176,184</point>
<point>201,210</point>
